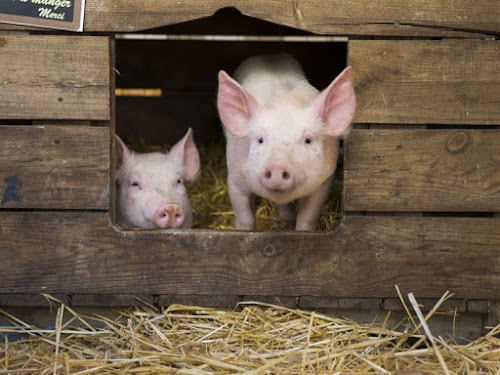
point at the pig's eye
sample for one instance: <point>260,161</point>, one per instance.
<point>179,181</point>
<point>308,140</point>
<point>261,140</point>
<point>134,183</point>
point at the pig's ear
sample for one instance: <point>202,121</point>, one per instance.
<point>186,151</point>
<point>122,153</point>
<point>336,104</point>
<point>235,105</point>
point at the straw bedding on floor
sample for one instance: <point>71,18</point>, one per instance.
<point>252,338</point>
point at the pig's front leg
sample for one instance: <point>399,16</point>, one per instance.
<point>310,207</point>
<point>243,202</point>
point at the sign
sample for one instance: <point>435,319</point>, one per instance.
<point>54,14</point>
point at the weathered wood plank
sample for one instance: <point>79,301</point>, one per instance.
<point>111,300</point>
<point>422,170</point>
<point>418,82</point>
<point>54,77</point>
<point>30,300</point>
<point>54,167</point>
<point>477,306</point>
<point>316,16</point>
<point>402,18</point>
<point>493,317</point>
<point>427,304</point>
<point>81,252</point>
<point>285,301</point>
<point>230,21</point>
<point>309,302</point>
<point>204,300</point>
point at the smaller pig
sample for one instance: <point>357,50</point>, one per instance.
<point>282,136</point>
<point>150,186</point>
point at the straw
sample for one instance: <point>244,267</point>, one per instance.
<point>254,338</point>
<point>413,302</point>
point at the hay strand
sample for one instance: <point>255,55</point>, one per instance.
<point>59,322</point>
<point>413,302</point>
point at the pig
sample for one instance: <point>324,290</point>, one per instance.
<point>150,186</point>
<point>282,137</point>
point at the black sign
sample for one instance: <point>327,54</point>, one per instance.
<point>56,14</point>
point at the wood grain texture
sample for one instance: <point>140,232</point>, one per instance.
<point>366,257</point>
<point>204,300</point>
<point>330,17</point>
<point>477,306</point>
<point>422,170</point>
<point>30,300</point>
<point>493,316</point>
<point>402,18</point>
<point>333,17</point>
<point>420,82</point>
<point>54,167</point>
<point>336,303</point>
<point>427,304</point>
<point>111,300</point>
<point>286,301</point>
<point>54,77</point>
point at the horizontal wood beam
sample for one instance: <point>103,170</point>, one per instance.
<point>82,252</point>
<point>453,82</point>
<point>404,18</point>
<point>355,17</point>
<point>54,77</point>
<point>422,170</point>
<point>54,167</point>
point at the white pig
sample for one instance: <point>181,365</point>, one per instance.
<point>281,136</point>
<point>150,187</point>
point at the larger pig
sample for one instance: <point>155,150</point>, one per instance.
<point>150,187</point>
<point>282,136</point>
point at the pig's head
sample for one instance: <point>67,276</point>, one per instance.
<point>151,192</point>
<point>293,143</point>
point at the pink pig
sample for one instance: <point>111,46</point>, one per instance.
<point>151,192</point>
<point>282,136</point>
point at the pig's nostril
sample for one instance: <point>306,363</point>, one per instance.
<point>177,216</point>
<point>286,175</point>
<point>268,174</point>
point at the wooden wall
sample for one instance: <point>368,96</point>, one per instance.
<point>422,181</point>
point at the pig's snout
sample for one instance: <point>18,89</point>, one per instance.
<point>277,176</point>
<point>169,216</point>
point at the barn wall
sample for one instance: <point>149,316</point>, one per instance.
<point>421,191</point>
